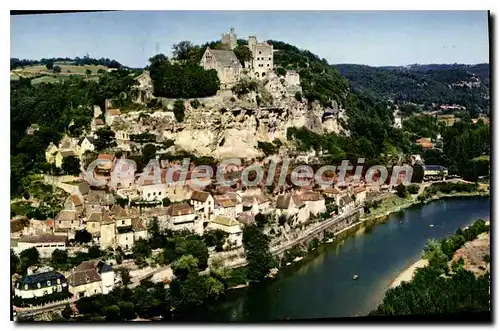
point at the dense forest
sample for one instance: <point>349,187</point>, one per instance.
<point>422,84</point>
<point>56,109</point>
<point>319,80</point>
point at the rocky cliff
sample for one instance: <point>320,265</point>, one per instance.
<point>229,126</point>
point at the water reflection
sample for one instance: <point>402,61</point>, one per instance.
<point>321,285</point>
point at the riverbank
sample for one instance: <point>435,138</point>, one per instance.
<point>415,202</point>
<point>408,273</point>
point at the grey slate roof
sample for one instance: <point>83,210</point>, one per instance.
<point>225,58</point>
<point>42,278</point>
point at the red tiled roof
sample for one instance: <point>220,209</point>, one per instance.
<point>109,157</point>
<point>113,112</point>
<point>179,209</point>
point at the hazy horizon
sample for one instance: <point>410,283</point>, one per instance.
<point>373,38</point>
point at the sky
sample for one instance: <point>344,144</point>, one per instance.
<point>375,38</point>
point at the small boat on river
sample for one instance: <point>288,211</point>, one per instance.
<point>355,277</point>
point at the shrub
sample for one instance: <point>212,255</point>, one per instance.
<point>281,71</point>
<point>179,110</point>
<point>195,103</point>
<point>413,189</point>
<point>298,96</point>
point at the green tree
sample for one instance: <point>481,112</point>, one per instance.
<point>67,312</point>
<point>14,262</point>
<point>49,66</point>
<point>260,260</point>
<point>94,252</point>
<point>243,54</point>
<point>166,202</point>
<point>71,165</point>
<point>105,139</point>
<point>181,50</point>
<point>101,71</point>
<point>59,258</point>
<point>125,276</point>
<point>88,72</point>
<point>183,267</point>
<point>28,257</point>
<point>141,249</point>
<point>215,238</point>
<point>401,190</point>
<point>261,220</point>
<point>179,110</point>
<point>193,246</point>
<point>127,310</point>
<point>148,153</point>
<point>298,96</point>
<point>56,69</point>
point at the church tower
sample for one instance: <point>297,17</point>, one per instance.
<point>229,40</point>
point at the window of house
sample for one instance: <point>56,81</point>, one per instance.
<point>123,222</point>
<point>269,59</point>
<point>38,285</point>
<point>154,193</point>
<point>58,281</point>
<point>149,194</point>
<point>25,286</point>
<point>48,283</point>
<point>268,64</point>
<point>260,52</point>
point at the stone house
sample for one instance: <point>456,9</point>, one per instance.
<point>182,217</point>
<point>202,202</point>
<point>256,204</point>
<point>98,200</point>
<point>40,284</point>
<point>93,223</point>
<point>86,144</point>
<point>90,278</point>
<point>226,64</point>
<point>67,220</point>
<point>360,194</point>
<point>111,115</point>
<point>314,201</point>
<point>50,153</point>
<point>262,57</point>
<point>46,244</point>
<point>346,203</point>
<point>292,205</point>
<point>236,199</point>
<point>143,89</point>
<point>224,206</point>
<point>107,236</point>
<point>153,192</point>
<point>96,124</point>
<point>139,228</point>
<point>230,226</point>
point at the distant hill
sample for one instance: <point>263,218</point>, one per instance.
<point>466,85</point>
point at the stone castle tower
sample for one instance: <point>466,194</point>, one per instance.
<point>228,40</point>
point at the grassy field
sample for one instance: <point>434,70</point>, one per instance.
<point>67,70</point>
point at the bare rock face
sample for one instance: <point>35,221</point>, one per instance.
<point>227,126</point>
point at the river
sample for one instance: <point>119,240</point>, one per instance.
<point>321,284</point>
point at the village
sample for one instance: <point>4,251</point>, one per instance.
<point>118,215</point>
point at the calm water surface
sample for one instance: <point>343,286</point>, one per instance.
<point>321,284</point>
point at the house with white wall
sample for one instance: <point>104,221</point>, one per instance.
<point>90,278</point>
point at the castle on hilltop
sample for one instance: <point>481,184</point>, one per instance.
<point>227,65</point>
